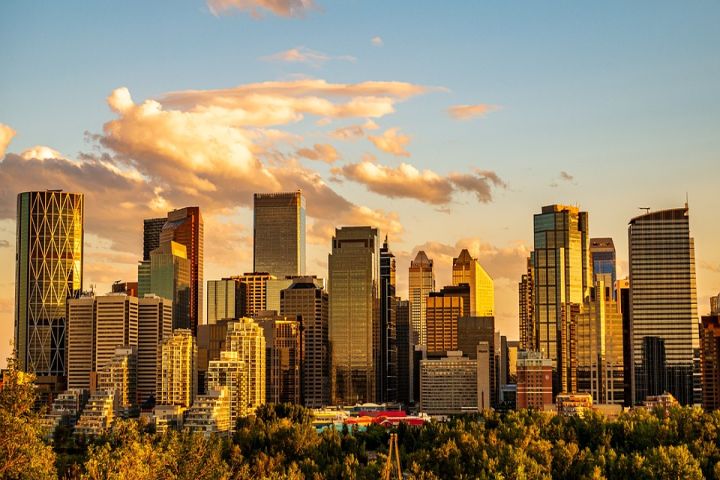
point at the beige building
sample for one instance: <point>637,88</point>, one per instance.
<point>482,288</point>
<point>484,376</point>
<point>154,325</point>
<point>354,289</point>
<point>177,377</point>
<point>80,342</point>
<point>97,415</point>
<point>255,291</point>
<point>449,385</point>
<point>534,383</point>
<point>421,281</point>
<point>210,414</point>
<point>246,337</point>
<point>283,359</point>
<point>119,375</point>
<point>168,416</point>
<point>443,309</point>
<point>229,372</point>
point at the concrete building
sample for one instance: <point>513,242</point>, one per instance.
<point>119,375</point>
<point>663,305</point>
<point>482,290</point>
<point>226,299</point>
<point>526,308</point>
<point>230,373</point>
<point>246,337</point>
<point>167,275</point>
<point>442,311</point>
<point>272,292</point>
<point>485,394</point>
<point>283,358</point>
<point>211,342</point>
<point>48,271</point>
<point>354,288</point>
<point>98,414</point>
<point>449,385</point>
<point>471,331</point>
<point>154,325</point>
<point>177,377</point>
<point>80,342</point>
<point>710,356</point>
<point>255,291</point>
<point>307,301</point>
<point>574,404</point>
<point>421,281</point>
<point>279,233</point>
<point>404,348</point>
<point>534,387</point>
<point>210,414</point>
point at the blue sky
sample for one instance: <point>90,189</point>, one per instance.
<point>623,97</point>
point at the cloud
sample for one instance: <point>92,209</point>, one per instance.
<point>351,132</point>
<point>563,177</point>
<point>566,176</point>
<point>406,181</point>
<point>281,8</point>
<point>305,55</point>
<point>320,151</point>
<point>467,112</point>
<point>6,135</point>
<point>391,142</point>
<point>40,152</point>
<point>377,41</point>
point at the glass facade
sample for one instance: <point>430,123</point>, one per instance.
<point>387,361</point>
<point>482,290</point>
<point>167,275</point>
<point>48,272</point>
<point>279,234</point>
<point>602,255</point>
<point>421,281</point>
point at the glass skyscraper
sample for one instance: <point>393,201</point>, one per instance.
<point>279,234</point>
<point>49,261</point>
<point>602,256</point>
<point>482,290</point>
<point>387,365</point>
<point>663,305</point>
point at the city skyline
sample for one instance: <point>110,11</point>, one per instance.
<point>537,137</point>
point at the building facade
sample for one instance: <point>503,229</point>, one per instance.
<point>442,311</point>
<point>404,352</point>
<point>421,281</point>
<point>230,372</point>
<point>283,358</point>
<point>663,305</point>
<point>226,299</point>
<point>535,384</point>
<point>449,385</point>
<point>602,258</point>
<point>255,291</point>
<point>710,356</point>
<point>154,326</point>
<point>177,377</point>
<point>279,233</point>
<point>387,375</point>
<point>151,234</point>
<point>246,337</point>
<point>168,275</point>
<point>482,290</point>
<point>526,308</point>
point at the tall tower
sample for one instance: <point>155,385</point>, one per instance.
<point>602,257</point>
<point>168,275</point>
<point>526,308</point>
<point>421,282</point>
<point>387,362</point>
<point>663,304</point>
<point>710,353</point>
<point>482,290</point>
<point>404,349</point>
<point>154,325</point>
<point>354,288</point>
<point>151,235</point>
<point>246,337</point>
<point>177,376</point>
<point>561,281</point>
<point>185,226</point>
<point>279,233</point>
<point>49,261</point>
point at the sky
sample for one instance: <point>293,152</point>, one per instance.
<point>445,125</point>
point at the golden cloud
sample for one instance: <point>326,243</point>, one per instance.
<point>467,112</point>
<point>305,55</point>
<point>6,135</point>
<point>320,151</point>
<point>282,8</point>
<point>391,142</point>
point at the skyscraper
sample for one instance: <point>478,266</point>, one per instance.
<point>710,354</point>
<point>443,309</point>
<point>421,281</point>
<point>404,351</point>
<point>230,372</point>
<point>177,377</point>
<point>482,290</point>
<point>185,226</point>
<point>561,276</point>
<point>49,266</point>
<point>663,304</point>
<point>226,299</point>
<point>602,257</point>
<point>255,291</point>
<point>154,325</point>
<point>387,360</point>
<point>526,308</point>
<point>167,275</point>
<point>354,288</point>
<point>306,300</point>
<point>246,337</point>
<point>283,358</point>
<point>151,235</point>
<point>279,233</point>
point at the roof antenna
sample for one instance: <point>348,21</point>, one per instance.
<point>647,209</point>
<point>687,201</point>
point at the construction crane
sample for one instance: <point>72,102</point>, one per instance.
<point>393,450</point>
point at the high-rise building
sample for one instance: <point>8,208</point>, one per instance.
<point>185,226</point>
<point>279,233</point>
<point>48,271</point>
<point>211,342</point>
<point>354,288</point>
<point>151,235</point>
<point>116,325</point>
<point>404,352</point>
<point>255,291</point>
<point>283,358</point>
<point>421,281</point>
<point>442,311</point>
<point>483,354</point>
<point>482,290</point>
<point>526,308</point>
<point>602,256</point>
<point>387,379</point>
<point>80,342</point>
<point>273,287</point>
<point>307,301</point>
<point>120,376</point>
<point>471,331</point>
<point>177,377</point>
<point>154,325</point>
<point>710,356</point>
<point>246,337</point>
<point>622,298</point>
<point>231,373</point>
<point>167,275</point>
<point>561,276</point>
<point>663,305</point>
<point>535,384</point>
<point>600,369</point>
<point>226,299</point>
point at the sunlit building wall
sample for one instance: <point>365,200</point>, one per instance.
<point>283,358</point>
<point>154,325</point>
<point>167,275</point>
<point>279,233</point>
<point>247,338</point>
<point>255,291</point>
<point>177,377</point>
<point>421,281</point>
<point>526,308</point>
<point>482,290</point>
<point>230,372</point>
<point>225,299</point>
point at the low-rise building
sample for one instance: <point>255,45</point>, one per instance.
<point>210,413</point>
<point>534,386</point>
<point>574,404</point>
<point>98,414</point>
<point>449,385</point>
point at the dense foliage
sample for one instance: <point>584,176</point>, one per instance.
<point>281,443</point>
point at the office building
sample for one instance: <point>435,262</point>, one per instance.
<point>442,311</point>
<point>167,275</point>
<point>561,279</point>
<point>283,358</point>
<point>226,299</point>
<point>602,258</point>
<point>185,226</point>
<point>255,291</point>
<point>484,376</point>
<point>421,281</point>
<point>154,325</point>
<point>80,342</point>
<point>151,235</point>
<point>449,385</point>
<point>307,301</point>
<point>535,384</point>
<point>210,414</point>
<point>600,370</point>
<point>387,376</point>
<point>210,341</point>
<point>119,375</point>
<point>710,356</point>
<point>177,378</point>
<point>404,352</point>
<point>246,337</point>
<point>526,307</point>
<point>229,372</point>
<point>128,288</point>
<point>622,298</point>
<point>48,271</point>
<point>482,290</point>
<point>471,331</point>
<point>279,233</point>
<point>354,288</point>
<point>273,288</point>
<point>663,305</point>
